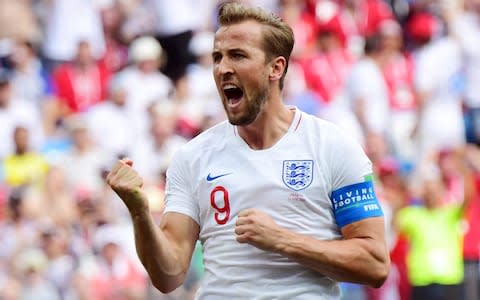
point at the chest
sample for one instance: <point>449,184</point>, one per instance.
<point>289,186</point>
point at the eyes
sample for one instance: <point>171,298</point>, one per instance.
<point>217,57</point>
<point>238,56</point>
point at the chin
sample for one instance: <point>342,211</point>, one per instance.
<point>241,120</point>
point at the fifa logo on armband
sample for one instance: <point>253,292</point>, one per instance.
<point>370,207</point>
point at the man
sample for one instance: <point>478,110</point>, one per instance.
<point>16,112</point>
<point>24,166</point>
<point>274,195</point>
<point>81,83</point>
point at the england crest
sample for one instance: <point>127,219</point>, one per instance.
<point>297,174</point>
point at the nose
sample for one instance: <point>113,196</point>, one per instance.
<point>223,67</point>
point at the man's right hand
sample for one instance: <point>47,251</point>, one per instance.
<point>126,182</point>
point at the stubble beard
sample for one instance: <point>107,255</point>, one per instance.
<point>254,106</point>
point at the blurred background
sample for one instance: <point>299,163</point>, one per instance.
<point>85,82</point>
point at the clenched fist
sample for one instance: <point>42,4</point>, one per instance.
<point>126,182</point>
<point>258,229</point>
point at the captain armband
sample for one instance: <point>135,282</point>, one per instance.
<point>354,203</point>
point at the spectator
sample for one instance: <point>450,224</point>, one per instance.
<point>31,264</point>
<point>15,112</point>
<point>62,35</point>
<point>153,156</point>
<point>297,93</point>
<point>195,93</point>
<point>439,86</point>
<point>398,72</point>
<point>450,163</point>
<point>393,191</point>
<point>3,199</point>
<point>471,238</point>
<point>80,288</point>
<point>117,135</point>
<point>328,65</point>
<point>55,194</point>
<point>367,92</point>
<point>144,83</point>
<point>60,265</point>
<point>139,19</point>
<point>358,19</point>
<point>82,83</point>
<point>84,229</point>
<point>200,86</point>
<point>302,20</point>
<point>84,162</point>
<point>175,23</point>
<point>115,56</point>
<point>466,28</point>
<point>30,80</point>
<point>117,276</point>
<point>435,266</point>
<point>24,166</point>
<point>19,231</point>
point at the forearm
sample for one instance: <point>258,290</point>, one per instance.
<point>157,253</point>
<point>359,260</point>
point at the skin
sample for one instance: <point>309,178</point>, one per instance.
<point>21,140</point>
<point>262,119</point>
<point>238,59</point>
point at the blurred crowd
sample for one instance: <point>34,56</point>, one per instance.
<point>85,82</point>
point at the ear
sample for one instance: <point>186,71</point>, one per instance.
<point>277,68</point>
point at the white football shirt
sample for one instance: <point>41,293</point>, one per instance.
<point>216,175</point>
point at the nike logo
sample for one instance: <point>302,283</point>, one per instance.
<point>212,178</point>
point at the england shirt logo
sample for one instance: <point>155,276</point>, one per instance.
<point>297,174</point>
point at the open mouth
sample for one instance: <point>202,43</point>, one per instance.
<point>233,94</point>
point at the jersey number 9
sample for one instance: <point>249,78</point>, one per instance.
<point>222,213</point>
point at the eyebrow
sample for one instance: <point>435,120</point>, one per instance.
<point>229,51</point>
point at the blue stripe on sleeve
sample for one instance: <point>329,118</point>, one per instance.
<point>354,203</point>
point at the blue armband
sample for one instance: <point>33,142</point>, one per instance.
<point>354,203</point>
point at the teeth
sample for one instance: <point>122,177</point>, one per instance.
<point>229,86</point>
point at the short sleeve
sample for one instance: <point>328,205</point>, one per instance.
<point>353,196</point>
<point>347,160</point>
<point>178,191</point>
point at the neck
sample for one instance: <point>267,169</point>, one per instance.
<point>270,126</point>
<point>380,59</point>
<point>82,148</point>
<point>159,143</point>
<point>84,66</point>
<point>23,67</point>
<point>20,151</point>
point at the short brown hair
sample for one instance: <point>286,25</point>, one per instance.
<point>278,36</point>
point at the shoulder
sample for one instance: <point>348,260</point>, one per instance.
<point>326,130</point>
<point>337,146</point>
<point>162,77</point>
<point>206,141</point>
<point>22,107</point>
<point>189,158</point>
